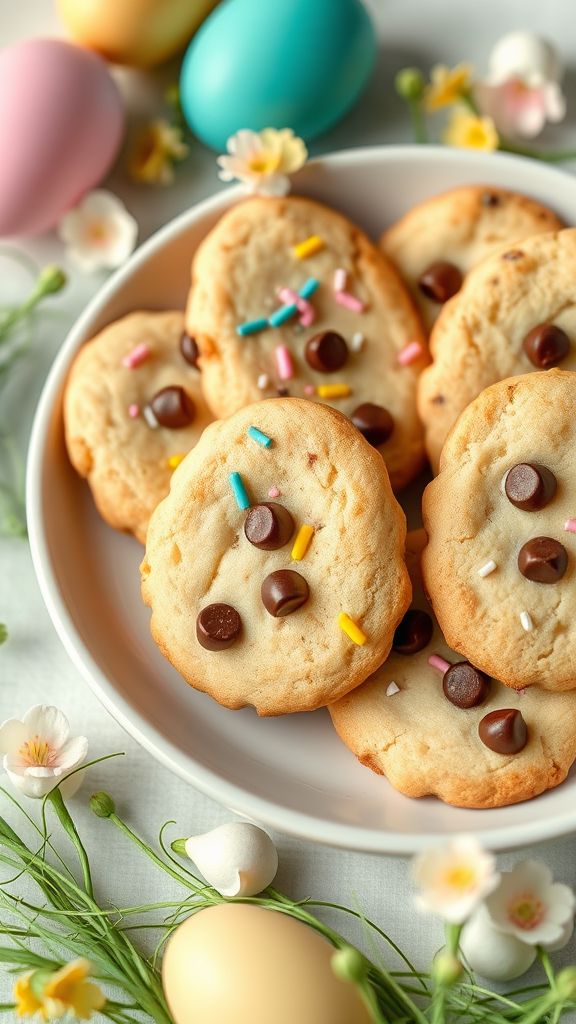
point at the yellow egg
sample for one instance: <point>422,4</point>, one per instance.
<point>138,32</point>
<point>239,963</point>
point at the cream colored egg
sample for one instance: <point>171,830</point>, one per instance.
<point>142,33</point>
<point>240,963</point>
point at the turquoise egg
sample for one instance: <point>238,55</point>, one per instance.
<point>257,64</point>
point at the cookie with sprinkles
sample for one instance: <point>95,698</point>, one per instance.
<point>289,297</point>
<point>274,568</point>
<point>433,724</point>
<point>437,243</point>
<point>133,408</point>
<point>500,564</point>
<point>515,314</point>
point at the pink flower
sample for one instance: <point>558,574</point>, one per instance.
<point>531,906</point>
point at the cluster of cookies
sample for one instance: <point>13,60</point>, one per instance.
<point>275,565</point>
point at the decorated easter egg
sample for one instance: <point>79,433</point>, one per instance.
<point>296,64</point>
<point>237,962</point>
<point>61,122</point>
<point>138,32</point>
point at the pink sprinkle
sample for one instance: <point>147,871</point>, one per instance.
<point>284,363</point>
<point>349,301</point>
<point>133,410</point>
<point>340,279</point>
<point>137,356</point>
<point>570,525</point>
<point>288,296</point>
<point>309,389</point>
<point>274,492</point>
<point>437,662</point>
<point>305,308</point>
<point>410,354</point>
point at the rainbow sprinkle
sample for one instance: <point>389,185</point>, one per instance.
<point>526,622</point>
<point>348,626</point>
<point>263,381</point>
<point>280,316</point>
<point>340,279</point>
<point>333,390</point>
<point>349,302</point>
<point>302,542</point>
<point>570,525</point>
<point>309,287</point>
<point>357,342</point>
<point>237,485</point>
<point>284,362</point>
<point>435,661</point>
<point>137,356</point>
<point>308,247</point>
<point>274,492</point>
<point>260,437</point>
<point>486,569</point>
<point>175,460</point>
<point>392,688</point>
<point>252,326</point>
<point>410,353</point>
<point>150,418</point>
<point>133,410</point>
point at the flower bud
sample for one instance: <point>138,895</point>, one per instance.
<point>102,805</point>
<point>3,633</point>
<point>409,83</point>
<point>51,279</point>
<point>349,965</point>
<point>446,969</point>
<point>566,984</point>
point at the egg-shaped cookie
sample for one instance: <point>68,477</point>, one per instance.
<point>274,568</point>
<point>290,298</point>
<point>437,243</point>
<point>515,314</point>
<point>435,725</point>
<point>133,407</point>
<point>500,564</point>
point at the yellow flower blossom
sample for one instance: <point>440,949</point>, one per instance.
<point>447,86</point>
<point>468,131</point>
<point>51,996</point>
<point>155,152</point>
<point>263,160</point>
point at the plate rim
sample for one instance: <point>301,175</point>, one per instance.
<point>236,798</point>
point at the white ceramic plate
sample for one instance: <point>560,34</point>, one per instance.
<point>292,773</point>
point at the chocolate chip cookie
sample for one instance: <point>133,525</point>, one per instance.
<point>274,567</point>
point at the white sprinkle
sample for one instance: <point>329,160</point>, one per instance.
<point>357,342</point>
<point>392,688</point>
<point>340,279</point>
<point>526,622</point>
<point>487,569</point>
<point>263,381</point>
<point>150,418</point>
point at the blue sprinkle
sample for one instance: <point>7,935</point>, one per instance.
<point>309,287</point>
<point>252,326</point>
<point>258,436</point>
<point>239,490</point>
<point>280,316</point>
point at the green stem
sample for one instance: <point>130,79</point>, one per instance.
<point>153,856</point>
<point>63,814</point>
<point>418,121</point>
<point>50,280</point>
<point>548,969</point>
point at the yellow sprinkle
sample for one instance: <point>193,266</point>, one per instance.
<point>351,629</point>
<point>175,460</point>
<point>308,247</point>
<point>333,390</point>
<point>302,542</point>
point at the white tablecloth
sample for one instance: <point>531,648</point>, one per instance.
<point>33,665</point>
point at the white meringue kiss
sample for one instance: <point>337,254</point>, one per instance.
<point>237,859</point>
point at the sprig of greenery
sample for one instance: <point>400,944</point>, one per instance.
<point>65,920</point>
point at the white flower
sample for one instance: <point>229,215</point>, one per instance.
<point>237,859</point>
<point>492,953</point>
<point>531,906</point>
<point>522,91</point>
<point>99,232</point>
<point>263,160</point>
<point>38,752</point>
<point>453,879</point>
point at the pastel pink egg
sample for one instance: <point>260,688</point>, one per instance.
<point>61,125</point>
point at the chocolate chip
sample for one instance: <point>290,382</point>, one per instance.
<point>464,685</point>
<point>189,350</point>
<point>546,345</point>
<point>438,400</point>
<point>283,592</point>
<point>413,633</point>
<point>218,626</point>
<point>440,281</point>
<point>513,254</point>
<point>530,486</point>
<point>282,392</point>
<point>543,560</point>
<point>504,731</point>
<point>326,352</point>
<point>173,407</point>
<point>268,526</point>
<point>374,422</point>
<point>490,199</point>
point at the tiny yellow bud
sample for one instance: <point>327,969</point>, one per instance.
<point>50,280</point>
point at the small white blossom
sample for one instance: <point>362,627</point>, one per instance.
<point>39,751</point>
<point>99,233</point>
<point>237,859</point>
<point>453,879</point>
<point>522,90</point>
<point>531,906</point>
<point>263,160</point>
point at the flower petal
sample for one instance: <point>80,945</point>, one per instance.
<point>35,788</point>
<point>72,754</point>
<point>49,723</point>
<point>13,734</point>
